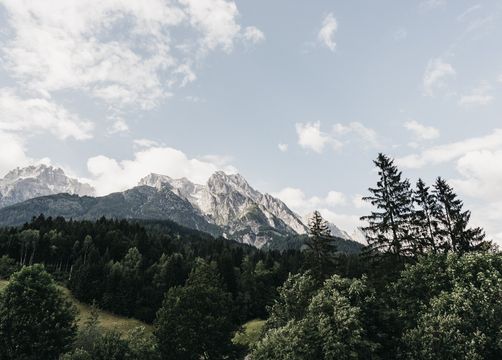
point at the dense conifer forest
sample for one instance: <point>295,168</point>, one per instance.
<point>428,285</point>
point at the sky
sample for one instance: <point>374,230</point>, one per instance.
<point>297,96</point>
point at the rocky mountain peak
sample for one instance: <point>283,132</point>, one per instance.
<point>155,180</point>
<point>31,171</point>
<point>33,181</point>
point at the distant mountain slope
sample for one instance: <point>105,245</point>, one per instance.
<point>141,202</point>
<point>231,203</point>
<point>33,181</point>
<point>226,205</point>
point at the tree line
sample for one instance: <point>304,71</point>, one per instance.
<point>427,286</point>
<point>409,222</point>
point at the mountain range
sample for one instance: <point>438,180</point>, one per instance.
<point>226,205</point>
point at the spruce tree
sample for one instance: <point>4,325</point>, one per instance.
<point>320,247</point>
<point>454,222</point>
<point>388,228</point>
<point>425,220</point>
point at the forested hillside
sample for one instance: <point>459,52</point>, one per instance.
<point>427,286</point>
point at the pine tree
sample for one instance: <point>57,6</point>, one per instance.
<point>425,220</point>
<point>454,222</point>
<point>388,229</point>
<point>320,246</point>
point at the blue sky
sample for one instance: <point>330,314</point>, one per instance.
<point>298,96</point>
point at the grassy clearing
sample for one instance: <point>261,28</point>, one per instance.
<point>250,333</point>
<point>107,320</point>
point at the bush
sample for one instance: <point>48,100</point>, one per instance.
<point>8,266</point>
<point>36,319</point>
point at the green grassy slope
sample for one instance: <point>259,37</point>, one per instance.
<point>250,333</point>
<point>107,320</point>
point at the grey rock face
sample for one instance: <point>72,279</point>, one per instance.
<point>230,202</point>
<point>33,181</point>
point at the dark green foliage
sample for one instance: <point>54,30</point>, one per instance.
<point>36,320</point>
<point>78,354</point>
<point>8,266</point>
<point>320,251</point>
<point>425,220</point>
<point>454,222</point>
<point>388,228</point>
<point>297,242</point>
<point>93,342</point>
<point>331,325</point>
<point>28,242</point>
<point>127,269</point>
<point>292,301</point>
<point>410,223</point>
<point>194,321</point>
<point>451,307</point>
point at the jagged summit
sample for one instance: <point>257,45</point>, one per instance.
<point>33,181</point>
<point>231,203</point>
<point>227,204</point>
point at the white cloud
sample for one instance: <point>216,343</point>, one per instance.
<point>311,137</point>
<point>480,179</point>
<point>299,202</point>
<point>215,20</point>
<point>327,33</point>
<point>254,35</point>
<point>111,175</point>
<point>359,203</point>
<point>479,96</point>
<point>125,53</point>
<point>39,115</point>
<point>368,136</point>
<point>448,152</point>
<point>12,153</point>
<point>283,147</point>
<point>335,198</point>
<point>144,143</point>
<point>422,131</point>
<point>436,74</point>
<point>118,126</point>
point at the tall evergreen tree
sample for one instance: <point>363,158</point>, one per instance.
<point>320,247</point>
<point>388,228</point>
<point>454,221</point>
<point>425,220</point>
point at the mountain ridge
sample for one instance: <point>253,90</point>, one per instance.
<point>226,205</point>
